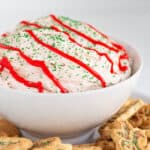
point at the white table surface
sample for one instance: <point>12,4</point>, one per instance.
<point>128,20</point>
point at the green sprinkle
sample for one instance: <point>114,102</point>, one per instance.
<point>91,78</point>
<point>7,143</point>
<point>47,142</point>
<point>6,78</point>
<point>54,69</point>
<point>41,76</point>
<point>11,58</point>
<point>53,44</point>
<point>72,67</point>
<point>49,56</point>
<point>4,54</point>
<point>135,142</point>
<point>26,35</point>
<point>84,76</point>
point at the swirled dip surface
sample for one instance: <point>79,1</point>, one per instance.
<point>57,54</point>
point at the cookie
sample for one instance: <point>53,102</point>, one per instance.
<point>142,118</point>
<point>126,138</point>
<point>53,143</point>
<point>105,144</point>
<point>14,143</point>
<point>124,113</point>
<point>7,129</point>
<point>87,147</point>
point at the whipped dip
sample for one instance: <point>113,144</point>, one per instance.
<point>57,54</point>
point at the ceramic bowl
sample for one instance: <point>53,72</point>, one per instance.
<point>67,114</point>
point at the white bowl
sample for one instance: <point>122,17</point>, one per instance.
<point>67,114</point>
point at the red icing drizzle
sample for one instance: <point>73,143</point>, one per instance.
<point>37,63</point>
<point>99,53</point>
<point>123,68</point>
<point>69,57</point>
<point>83,35</point>
<point>5,34</point>
<point>118,46</point>
<point>4,62</point>
<point>104,35</point>
<point>30,24</point>
<point>27,23</point>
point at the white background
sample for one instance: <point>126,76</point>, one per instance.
<point>128,20</point>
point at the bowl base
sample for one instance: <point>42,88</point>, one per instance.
<point>86,137</point>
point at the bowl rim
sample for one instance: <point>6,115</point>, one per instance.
<point>88,91</point>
